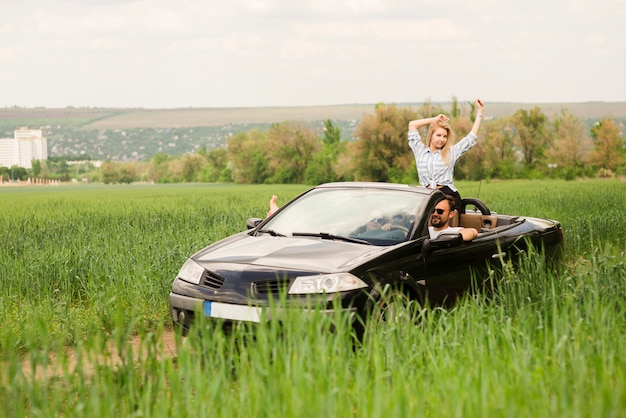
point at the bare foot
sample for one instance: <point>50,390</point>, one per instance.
<point>273,205</point>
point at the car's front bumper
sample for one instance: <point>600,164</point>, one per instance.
<point>184,308</point>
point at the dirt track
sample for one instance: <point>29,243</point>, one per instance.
<point>167,345</point>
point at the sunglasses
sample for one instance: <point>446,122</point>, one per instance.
<point>379,220</point>
<point>439,211</point>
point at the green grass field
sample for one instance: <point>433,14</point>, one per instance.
<point>86,269</point>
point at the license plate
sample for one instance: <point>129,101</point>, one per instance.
<point>232,312</point>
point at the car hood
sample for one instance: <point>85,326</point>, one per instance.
<point>288,253</point>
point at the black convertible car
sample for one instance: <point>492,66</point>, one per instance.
<point>348,242</point>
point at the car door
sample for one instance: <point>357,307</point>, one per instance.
<point>451,271</point>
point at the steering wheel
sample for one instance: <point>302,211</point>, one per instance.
<point>399,227</point>
<point>484,210</point>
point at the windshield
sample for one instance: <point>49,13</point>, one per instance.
<point>378,216</point>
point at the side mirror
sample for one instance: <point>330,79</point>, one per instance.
<point>252,223</point>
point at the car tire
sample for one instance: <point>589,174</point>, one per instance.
<point>395,308</point>
<point>388,309</point>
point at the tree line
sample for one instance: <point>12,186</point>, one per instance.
<point>526,144</point>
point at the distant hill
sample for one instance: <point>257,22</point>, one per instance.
<point>103,118</point>
<point>138,134</point>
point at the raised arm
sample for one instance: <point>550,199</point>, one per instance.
<point>416,124</point>
<point>480,108</point>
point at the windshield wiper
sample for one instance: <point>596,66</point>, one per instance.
<point>271,232</point>
<point>326,235</point>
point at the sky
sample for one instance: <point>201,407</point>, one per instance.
<point>262,53</point>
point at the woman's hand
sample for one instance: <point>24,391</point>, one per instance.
<point>441,118</point>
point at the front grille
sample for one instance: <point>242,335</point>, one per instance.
<point>274,287</point>
<point>212,280</point>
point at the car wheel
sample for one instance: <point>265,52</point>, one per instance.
<point>386,310</point>
<point>395,308</point>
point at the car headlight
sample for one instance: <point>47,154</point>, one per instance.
<point>325,283</point>
<point>191,272</point>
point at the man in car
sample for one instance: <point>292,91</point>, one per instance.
<point>440,220</point>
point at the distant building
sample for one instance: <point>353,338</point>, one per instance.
<point>26,145</point>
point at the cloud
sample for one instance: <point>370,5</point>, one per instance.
<point>279,52</point>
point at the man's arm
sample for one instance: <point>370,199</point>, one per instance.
<point>468,234</point>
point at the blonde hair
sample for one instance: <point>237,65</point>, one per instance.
<point>445,150</point>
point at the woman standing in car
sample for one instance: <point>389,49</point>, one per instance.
<point>435,161</point>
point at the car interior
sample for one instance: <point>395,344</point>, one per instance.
<point>481,218</point>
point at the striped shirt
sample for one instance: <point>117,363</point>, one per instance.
<point>431,168</point>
